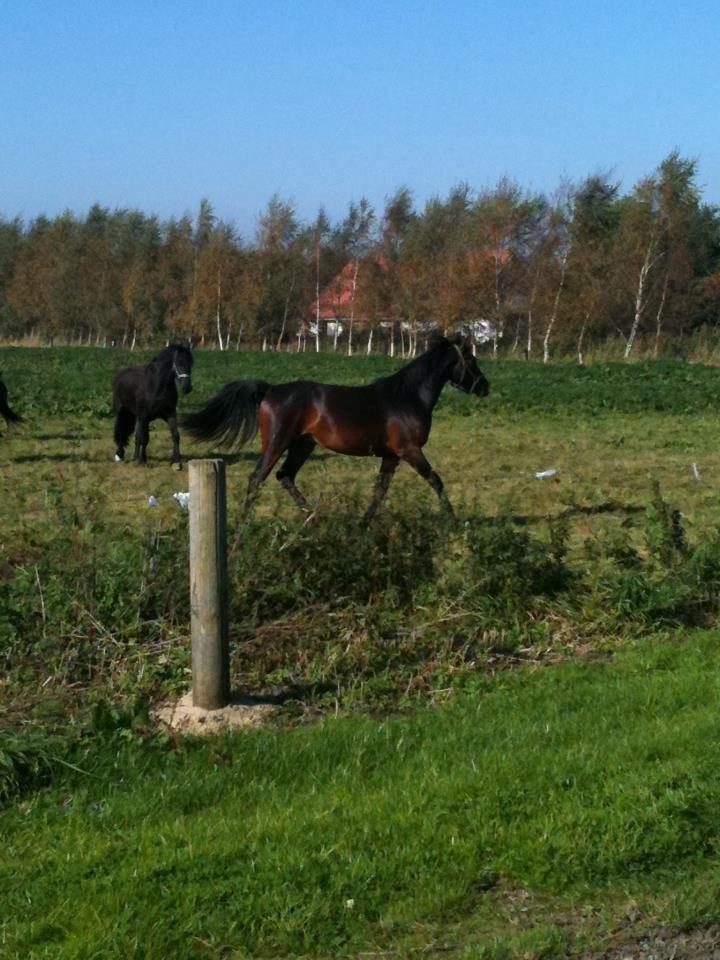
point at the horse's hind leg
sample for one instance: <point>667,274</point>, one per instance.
<point>172,424</point>
<point>298,452</point>
<point>268,460</point>
<point>417,460</point>
<point>124,425</point>
<point>387,469</point>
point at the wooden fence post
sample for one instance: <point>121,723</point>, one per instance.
<point>208,585</point>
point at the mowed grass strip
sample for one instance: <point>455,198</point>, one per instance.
<point>584,788</point>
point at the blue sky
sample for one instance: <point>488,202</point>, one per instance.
<point>157,104</point>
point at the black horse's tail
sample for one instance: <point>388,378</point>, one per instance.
<point>8,415</point>
<point>230,418</point>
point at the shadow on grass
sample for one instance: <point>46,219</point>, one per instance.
<point>54,458</point>
<point>610,506</point>
<point>277,696</point>
<point>72,437</point>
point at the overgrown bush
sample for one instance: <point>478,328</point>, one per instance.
<point>365,616</point>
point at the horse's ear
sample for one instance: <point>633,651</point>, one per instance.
<point>436,338</point>
<point>462,340</point>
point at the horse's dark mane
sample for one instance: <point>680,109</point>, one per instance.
<point>410,377</point>
<point>167,353</point>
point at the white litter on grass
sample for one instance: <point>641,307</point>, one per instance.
<point>696,472</point>
<point>152,501</point>
<point>541,474</point>
<point>183,499</point>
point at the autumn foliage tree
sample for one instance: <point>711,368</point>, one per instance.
<point>545,273</point>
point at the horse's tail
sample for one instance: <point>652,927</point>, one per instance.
<point>8,415</point>
<point>230,418</point>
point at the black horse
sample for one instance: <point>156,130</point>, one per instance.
<point>143,394</point>
<point>389,418</point>
<point>8,415</point>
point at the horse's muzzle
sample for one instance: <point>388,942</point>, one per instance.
<point>482,389</point>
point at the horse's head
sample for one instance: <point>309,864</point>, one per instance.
<point>182,361</point>
<point>466,375</point>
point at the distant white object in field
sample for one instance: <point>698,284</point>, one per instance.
<point>696,472</point>
<point>118,459</point>
<point>183,499</point>
<point>152,501</point>
<point>541,474</point>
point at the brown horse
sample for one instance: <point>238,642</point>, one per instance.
<point>389,418</point>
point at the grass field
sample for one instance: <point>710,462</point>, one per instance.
<point>415,796</point>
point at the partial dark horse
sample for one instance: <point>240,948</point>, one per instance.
<point>8,415</point>
<point>143,394</point>
<point>389,418</point>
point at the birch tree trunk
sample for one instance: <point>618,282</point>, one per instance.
<point>640,294</point>
<point>581,337</point>
<point>285,315</point>
<point>553,316</point>
<point>370,340</point>
<point>217,313</point>
<point>497,331</point>
<point>352,308</point>
<point>317,298</point>
<point>658,318</point>
<point>529,344</point>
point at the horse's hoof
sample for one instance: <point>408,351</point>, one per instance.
<point>177,465</point>
<point>118,458</point>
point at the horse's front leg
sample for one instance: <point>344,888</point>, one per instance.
<point>417,460</point>
<point>175,433</point>
<point>387,469</point>
<point>142,437</point>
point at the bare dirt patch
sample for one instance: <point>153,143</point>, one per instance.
<point>661,944</point>
<point>241,713</point>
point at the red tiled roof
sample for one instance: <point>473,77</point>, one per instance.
<point>336,297</point>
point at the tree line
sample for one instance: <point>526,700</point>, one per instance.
<point>530,273</point>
